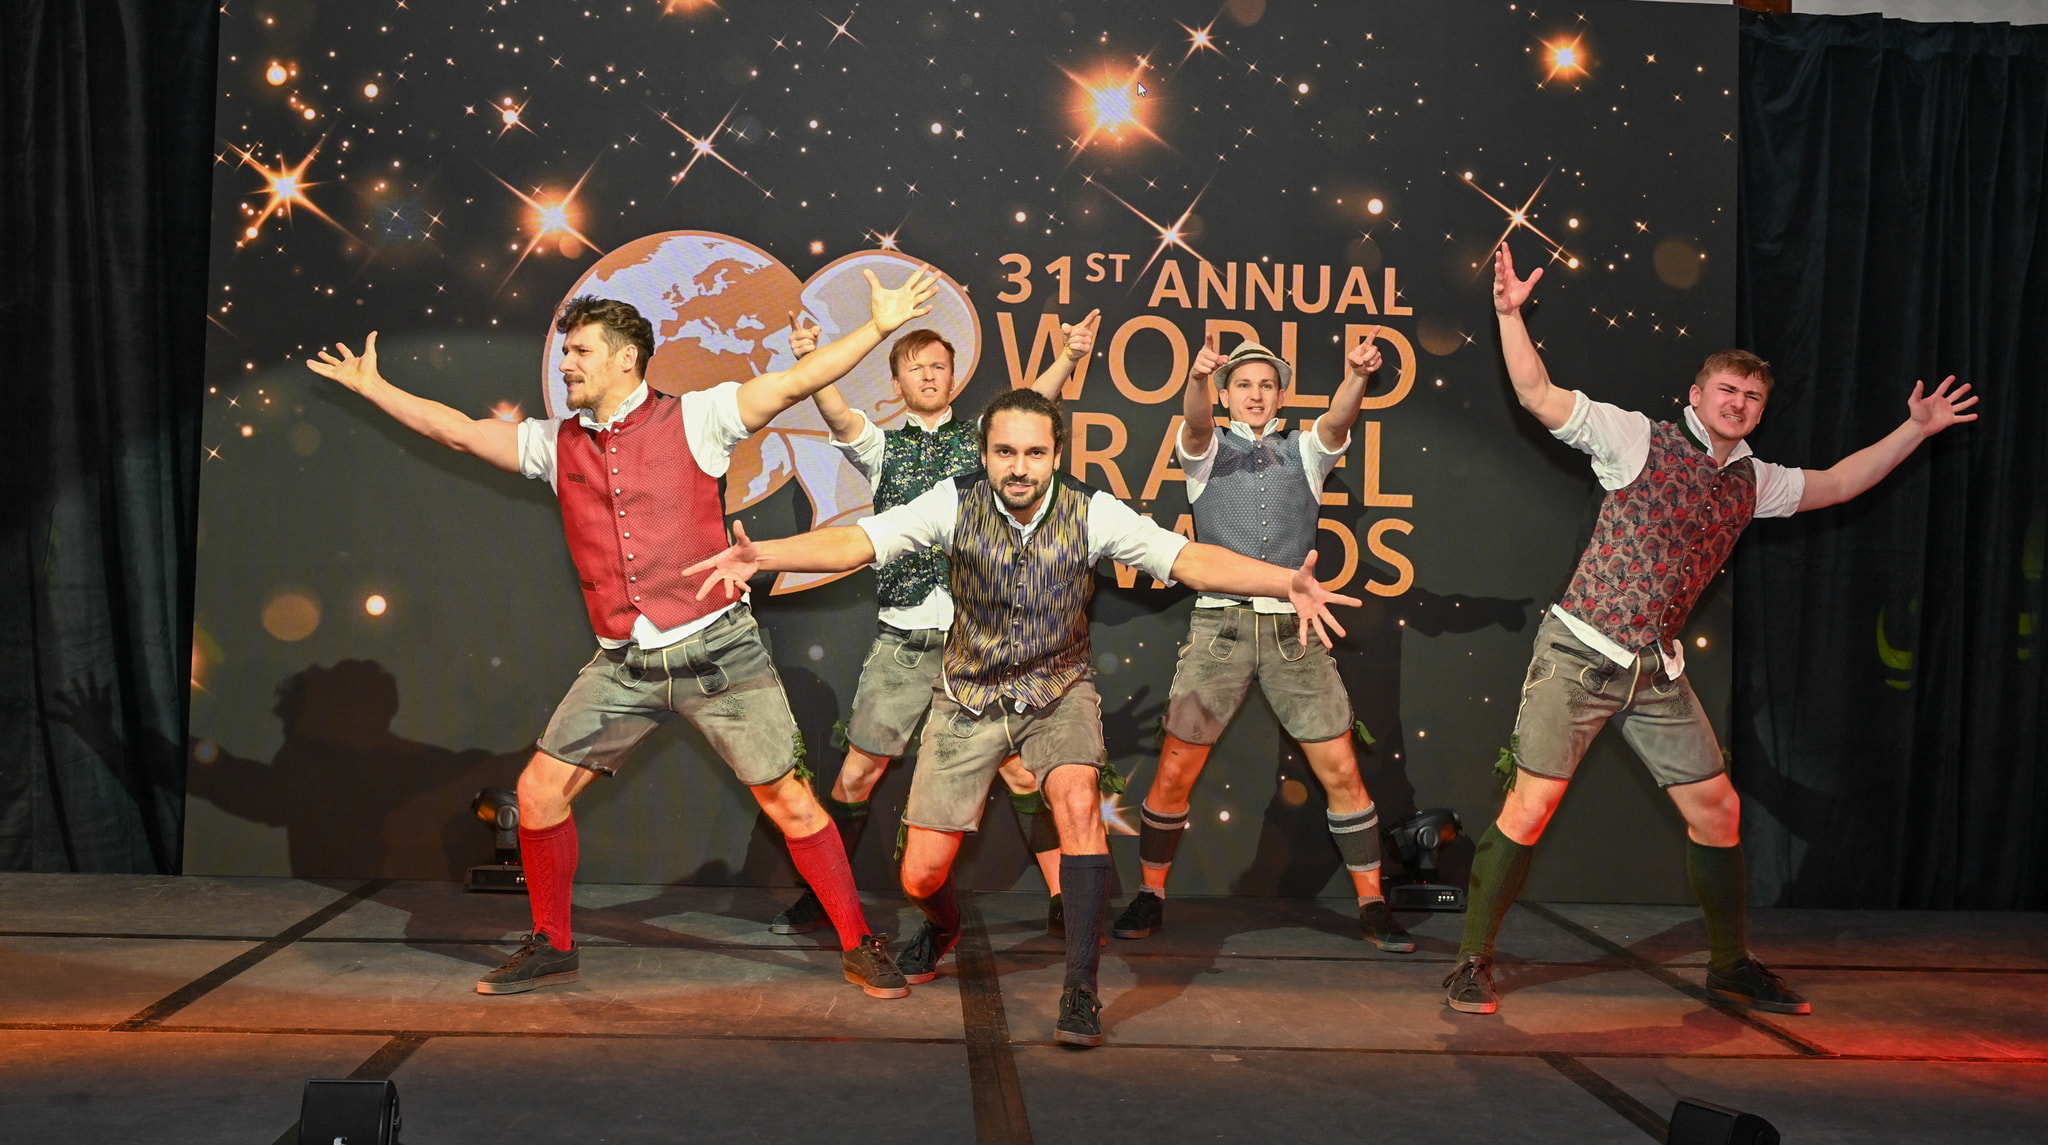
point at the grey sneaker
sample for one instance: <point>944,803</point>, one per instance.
<point>869,966</point>
<point>1380,929</point>
<point>1469,988</point>
<point>804,915</point>
<point>536,964</point>
<point>919,961</point>
<point>1752,984</point>
<point>1080,1020</point>
<point>1146,914</point>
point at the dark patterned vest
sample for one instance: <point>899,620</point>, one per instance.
<point>1258,501</point>
<point>914,460</point>
<point>1659,540</point>
<point>637,511</point>
<point>1020,616</point>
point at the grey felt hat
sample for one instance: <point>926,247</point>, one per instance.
<point>1253,352</point>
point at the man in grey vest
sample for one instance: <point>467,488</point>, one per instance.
<point>1022,543</point>
<point>916,609</point>
<point>1678,496</point>
<point>1256,489</point>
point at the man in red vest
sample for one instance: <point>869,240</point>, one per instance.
<point>637,472</point>
<point>1678,496</point>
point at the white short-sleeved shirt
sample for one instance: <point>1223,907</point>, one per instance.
<point>1618,441</point>
<point>1115,531</point>
<point>1316,464</point>
<point>865,454</point>
<point>711,419</point>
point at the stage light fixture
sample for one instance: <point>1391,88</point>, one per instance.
<point>1417,841</point>
<point>498,809</point>
<point>1704,1123</point>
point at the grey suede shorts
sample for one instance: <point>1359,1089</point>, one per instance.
<point>720,679</point>
<point>895,689</point>
<point>1572,691</point>
<point>1228,648</point>
<point>961,750</point>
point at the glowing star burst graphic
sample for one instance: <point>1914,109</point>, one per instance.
<point>1110,106</point>
<point>1568,60</point>
<point>704,146</point>
<point>686,7</point>
<point>287,185</point>
<point>1519,219</point>
<point>1173,234</point>
<point>553,217</point>
<point>1200,39</point>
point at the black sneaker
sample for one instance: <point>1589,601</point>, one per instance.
<point>1469,988</point>
<point>1056,918</point>
<point>804,915</point>
<point>536,964</point>
<point>869,967</point>
<point>1145,915</point>
<point>919,961</point>
<point>1752,984</point>
<point>1080,1021</point>
<point>1377,922</point>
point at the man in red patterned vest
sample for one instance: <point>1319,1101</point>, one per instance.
<point>1678,497</point>
<point>637,474</point>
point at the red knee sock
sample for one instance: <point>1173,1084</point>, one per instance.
<point>549,857</point>
<point>821,860</point>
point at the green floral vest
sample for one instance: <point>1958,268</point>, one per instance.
<point>914,460</point>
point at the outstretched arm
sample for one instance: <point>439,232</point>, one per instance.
<point>1364,360</point>
<point>1080,343</point>
<point>1198,399</point>
<point>492,440</point>
<point>845,423</point>
<point>1552,406</point>
<point>1927,415</point>
<point>1213,568</point>
<point>767,395</point>
<point>840,548</point>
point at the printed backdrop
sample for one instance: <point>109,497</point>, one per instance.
<point>384,625</point>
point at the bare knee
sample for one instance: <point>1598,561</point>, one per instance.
<point>1529,806</point>
<point>1180,765</point>
<point>858,775</point>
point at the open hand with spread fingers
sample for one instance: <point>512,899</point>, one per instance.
<point>357,373</point>
<point>1943,408</point>
<point>1312,603</point>
<point>892,308</point>
<point>733,567</point>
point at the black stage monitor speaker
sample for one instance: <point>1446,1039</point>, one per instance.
<point>1704,1123</point>
<point>354,1113</point>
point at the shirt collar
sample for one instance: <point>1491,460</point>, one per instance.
<point>1052,489</point>
<point>1696,432</point>
<point>912,421</point>
<point>631,403</point>
<point>1244,431</point>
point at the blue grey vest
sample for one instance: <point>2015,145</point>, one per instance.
<point>1258,502</point>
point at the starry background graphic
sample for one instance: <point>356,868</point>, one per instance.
<point>383,626</point>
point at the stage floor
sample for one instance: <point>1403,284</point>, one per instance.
<point>169,1010</point>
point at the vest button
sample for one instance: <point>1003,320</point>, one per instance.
<point>636,600</point>
<point>622,512</point>
<point>615,449</point>
<point>617,492</point>
<point>632,580</point>
<point>625,534</point>
<point>615,469</point>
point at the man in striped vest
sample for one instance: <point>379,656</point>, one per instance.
<point>1678,496</point>
<point>1256,489</point>
<point>637,474</point>
<point>916,609</point>
<point>1023,544</point>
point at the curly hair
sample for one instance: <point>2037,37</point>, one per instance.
<point>621,323</point>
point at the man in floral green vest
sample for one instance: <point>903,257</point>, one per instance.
<point>916,609</point>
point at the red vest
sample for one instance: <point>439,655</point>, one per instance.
<point>638,511</point>
<point>1659,540</point>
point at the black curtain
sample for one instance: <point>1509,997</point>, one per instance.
<point>1889,689</point>
<point>106,119</point>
